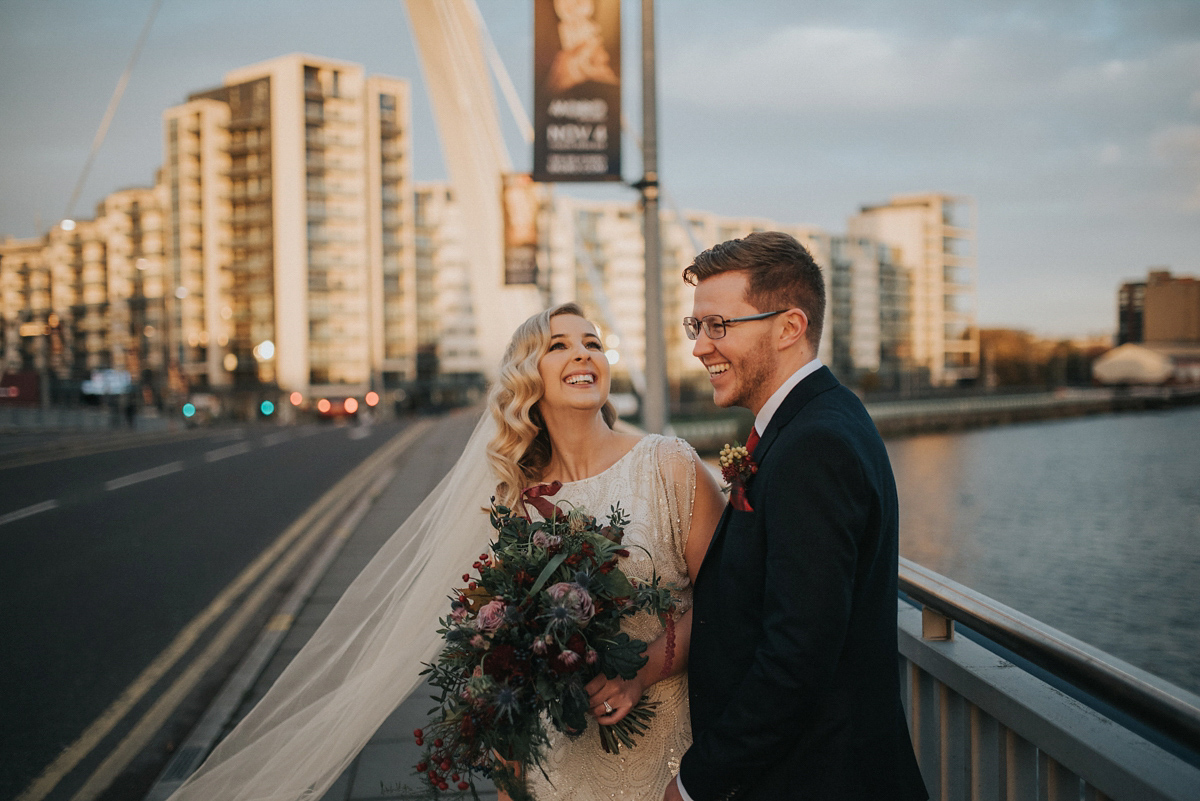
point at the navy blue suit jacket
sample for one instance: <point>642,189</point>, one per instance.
<point>793,668</point>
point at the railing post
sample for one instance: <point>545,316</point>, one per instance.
<point>935,625</point>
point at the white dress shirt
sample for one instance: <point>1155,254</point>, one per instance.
<point>761,420</point>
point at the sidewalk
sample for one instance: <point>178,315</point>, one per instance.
<point>384,767</point>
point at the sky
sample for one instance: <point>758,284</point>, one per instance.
<point>1075,126</point>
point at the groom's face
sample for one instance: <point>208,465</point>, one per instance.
<point>740,364</point>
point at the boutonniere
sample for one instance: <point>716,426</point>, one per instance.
<point>737,468</point>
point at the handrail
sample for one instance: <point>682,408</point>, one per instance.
<point>1171,710</point>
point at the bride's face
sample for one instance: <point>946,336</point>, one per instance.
<point>574,371</point>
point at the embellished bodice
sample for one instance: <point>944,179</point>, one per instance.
<point>655,485</point>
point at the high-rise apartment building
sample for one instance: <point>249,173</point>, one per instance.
<point>290,229</point>
<point>935,239</point>
<point>87,296</point>
<point>24,305</point>
<point>867,313</point>
<point>445,315</point>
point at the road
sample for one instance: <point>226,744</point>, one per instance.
<point>106,557</point>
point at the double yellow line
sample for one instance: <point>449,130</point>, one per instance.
<point>276,562</point>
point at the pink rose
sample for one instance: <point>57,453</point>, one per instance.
<point>491,616</point>
<point>575,599</point>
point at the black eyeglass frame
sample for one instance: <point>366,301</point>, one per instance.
<point>692,326</point>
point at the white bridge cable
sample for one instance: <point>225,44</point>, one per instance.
<point>111,112</point>
<point>507,87</point>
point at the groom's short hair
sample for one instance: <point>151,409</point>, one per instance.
<point>781,274</point>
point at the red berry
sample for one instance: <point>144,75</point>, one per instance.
<point>437,743</point>
<point>483,556</point>
<point>420,741</point>
<point>464,786</point>
<point>454,777</point>
<point>433,777</point>
<point>471,586</point>
<point>418,733</point>
<point>422,767</point>
<point>445,764</point>
<point>466,576</point>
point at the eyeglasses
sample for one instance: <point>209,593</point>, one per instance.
<point>714,324</point>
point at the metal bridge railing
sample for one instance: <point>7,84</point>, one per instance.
<point>987,728</point>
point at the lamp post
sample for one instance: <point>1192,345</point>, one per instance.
<point>654,403</point>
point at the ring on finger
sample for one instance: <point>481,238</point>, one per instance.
<point>608,710</point>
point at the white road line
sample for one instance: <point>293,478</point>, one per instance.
<point>227,451</point>
<point>276,438</point>
<point>359,433</point>
<point>145,475</point>
<point>37,508</point>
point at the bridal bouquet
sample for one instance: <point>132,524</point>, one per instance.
<point>541,618</point>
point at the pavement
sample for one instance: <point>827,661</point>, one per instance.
<point>383,769</point>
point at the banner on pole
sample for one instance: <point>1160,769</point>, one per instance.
<point>521,204</point>
<point>577,90</point>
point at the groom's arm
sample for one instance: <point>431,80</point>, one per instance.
<point>815,501</point>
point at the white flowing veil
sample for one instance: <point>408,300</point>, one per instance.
<point>365,658</point>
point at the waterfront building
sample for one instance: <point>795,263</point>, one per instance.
<point>445,316</point>
<point>595,252</point>
<point>868,313</point>
<point>290,229</point>
<point>1130,312</point>
<point>1172,309</point>
<point>1162,315</point>
<point>591,252</point>
<point>934,235</point>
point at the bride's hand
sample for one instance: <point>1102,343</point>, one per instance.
<point>621,694</point>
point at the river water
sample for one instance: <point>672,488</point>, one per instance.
<point>1091,525</point>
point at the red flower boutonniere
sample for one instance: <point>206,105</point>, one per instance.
<point>737,468</point>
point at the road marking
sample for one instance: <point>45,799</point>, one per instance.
<point>37,508</point>
<point>359,433</point>
<point>145,475</point>
<point>276,438</point>
<point>141,734</point>
<point>73,754</point>
<point>118,709</point>
<point>227,451</point>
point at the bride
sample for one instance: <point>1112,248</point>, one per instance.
<point>548,420</point>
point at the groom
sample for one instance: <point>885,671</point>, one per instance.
<point>795,690</point>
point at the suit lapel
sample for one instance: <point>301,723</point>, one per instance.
<point>811,386</point>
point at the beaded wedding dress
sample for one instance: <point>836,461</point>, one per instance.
<point>655,484</point>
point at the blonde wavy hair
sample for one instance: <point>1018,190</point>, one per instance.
<point>520,451</point>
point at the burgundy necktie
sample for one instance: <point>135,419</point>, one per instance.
<point>752,441</point>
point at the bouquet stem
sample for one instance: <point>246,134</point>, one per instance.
<point>632,725</point>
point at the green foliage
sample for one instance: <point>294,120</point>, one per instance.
<point>541,619</point>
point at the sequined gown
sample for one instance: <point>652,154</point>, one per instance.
<point>655,485</point>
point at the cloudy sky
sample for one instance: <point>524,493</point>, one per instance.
<point>1074,125</point>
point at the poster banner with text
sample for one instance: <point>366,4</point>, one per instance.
<point>577,90</point>
<point>521,204</point>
